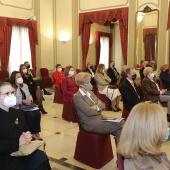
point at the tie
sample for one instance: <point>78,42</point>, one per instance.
<point>133,85</point>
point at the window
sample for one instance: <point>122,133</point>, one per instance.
<point>20,48</point>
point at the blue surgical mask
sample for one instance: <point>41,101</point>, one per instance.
<point>167,135</point>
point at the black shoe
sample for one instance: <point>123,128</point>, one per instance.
<point>118,108</point>
<point>168,117</point>
<point>47,93</point>
<point>43,98</point>
<point>42,110</point>
<point>115,110</point>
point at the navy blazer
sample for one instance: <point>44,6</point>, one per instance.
<point>129,95</point>
<point>112,75</point>
<point>165,77</point>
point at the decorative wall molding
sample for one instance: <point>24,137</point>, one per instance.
<point>141,4</point>
<point>13,4</point>
<point>87,5</point>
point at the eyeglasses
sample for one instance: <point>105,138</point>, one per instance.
<point>8,93</point>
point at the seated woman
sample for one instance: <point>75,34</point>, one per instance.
<point>35,90</point>
<point>14,133</point>
<point>152,90</point>
<point>89,109</point>
<point>102,81</point>
<point>140,141</point>
<point>58,75</point>
<point>165,76</point>
<point>68,84</point>
<point>23,96</point>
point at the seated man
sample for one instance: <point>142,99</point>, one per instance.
<point>112,73</point>
<point>89,109</point>
<point>129,90</point>
<point>90,69</point>
<point>165,76</point>
<point>36,80</point>
<point>152,90</point>
<point>145,63</point>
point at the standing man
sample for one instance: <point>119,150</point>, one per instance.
<point>129,91</point>
<point>112,73</point>
<point>90,69</point>
<point>36,80</point>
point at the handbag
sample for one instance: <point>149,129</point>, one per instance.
<point>30,107</point>
<point>112,86</point>
<point>29,148</point>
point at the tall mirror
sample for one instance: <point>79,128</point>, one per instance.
<point>146,47</point>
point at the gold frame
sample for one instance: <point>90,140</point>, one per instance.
<point>147,9</point>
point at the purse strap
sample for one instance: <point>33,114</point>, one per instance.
<point>112,93</point>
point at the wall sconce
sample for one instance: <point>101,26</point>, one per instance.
<point>64,37</point>
<point>140,16</point>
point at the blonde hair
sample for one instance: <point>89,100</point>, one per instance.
<point>163,67</point>
<point>143,131</point>
<point>99,68</point>
<point>147,70</point>
<point>82,77</point>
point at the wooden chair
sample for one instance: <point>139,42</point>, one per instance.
<point>46,79</point>
<point>125,113</point>
<point>78,71</point>
<point>93,149</point>
<point>4,75</point>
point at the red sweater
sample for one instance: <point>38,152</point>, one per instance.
<point>57,76</point>
<point>69,88</point>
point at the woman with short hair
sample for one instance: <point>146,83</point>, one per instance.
<point>140,141</point>
<point>103,81</point>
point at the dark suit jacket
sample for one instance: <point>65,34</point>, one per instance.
<point>129,95</point>
<point>141,73</point>
<point>150,89</point>
<point>92,79</point>
<point>112,74</point>
<point>165,77</point>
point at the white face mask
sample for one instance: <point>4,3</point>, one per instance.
<point>88,86</point>
<point>24,71</point>
<point>20,80</point>
<point>151,75</point>
<point>71,73</point>
<point>59,69</point>
<point>10,101</point>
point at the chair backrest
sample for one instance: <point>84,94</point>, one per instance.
<point>120,162</point>
<point>78,71</point>
<point>161,83</point>
<point>4,74</point>
<point>44,72</point>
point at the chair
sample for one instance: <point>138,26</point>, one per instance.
<point>4,75</point>
<point>78,71</point>
<point>161,83</point>
<point>69,112</point>
<point>125,113</point>
<point>46,79</point>
<point>120,162</point>
<point>93,149</point>
<point>95,89</point>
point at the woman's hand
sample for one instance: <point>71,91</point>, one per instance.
<point>94,107</point>
<point>25,138</point>
<point>27,102</point>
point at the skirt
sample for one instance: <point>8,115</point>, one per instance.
<point>110,93</point>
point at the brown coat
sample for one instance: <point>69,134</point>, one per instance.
<point>146,162</point>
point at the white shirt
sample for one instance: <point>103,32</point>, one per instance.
<point>89,96</point>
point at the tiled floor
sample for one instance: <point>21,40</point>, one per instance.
<point>60,137</point>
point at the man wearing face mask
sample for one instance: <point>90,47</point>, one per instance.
<point>165,76</point>
<point>112,73</point>
<point>129,91</point>
<point>89,110</point>
<point>90,69</point>
<point>152,90</point>
<point>36,80</point>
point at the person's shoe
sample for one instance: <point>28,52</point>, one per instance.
<point>118,108</point>
<point>41,108</point>
<point>47,93</point>
<point>43,98</point>
<point>115,110</point>
<point>168,117</point>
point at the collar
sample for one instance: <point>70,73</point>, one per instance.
<point>131,81</point>
<point>83,94</point>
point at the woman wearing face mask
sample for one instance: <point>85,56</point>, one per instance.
<point>140,141</point>
<point>58,75</point>
<point>68,84</point>
<point>152,90</point>
<point>14,133</point>
<point>24,97</point>
<point>35,90</point>
<point>102,81</point>
<point>89,110</point>
<point>165,76</point>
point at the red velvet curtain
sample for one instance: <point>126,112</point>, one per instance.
<point>103,18</point>
<point>168,24</point>
<point>5,38</point>
<point>149,36</point>
<point>98,35</point>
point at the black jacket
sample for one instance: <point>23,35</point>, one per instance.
<point>111,73</point>
<point>92,79</point>
<point>165,77</point>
